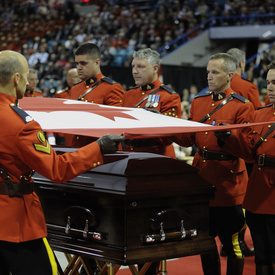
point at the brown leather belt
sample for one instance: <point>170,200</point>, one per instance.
<point>16,189</point>
<point>262,160</point>
<point>214,155</point>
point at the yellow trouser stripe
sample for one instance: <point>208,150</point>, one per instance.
<point>236,245</point>
<point>51,257</point>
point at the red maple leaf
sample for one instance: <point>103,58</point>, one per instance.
<point>52,104</point>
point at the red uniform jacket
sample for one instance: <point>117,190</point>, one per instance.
<point>246,89</point>
<point>260,194</point>
<point>23,147</point>
<point>104,91</point>
<point>228,176</point>
<point>166,102</point>
<point>108,92</point>
<point>36,93</point>
<point>65,93</point>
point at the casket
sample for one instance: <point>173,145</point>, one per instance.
<point>136,208</point>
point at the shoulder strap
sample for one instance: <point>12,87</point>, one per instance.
<point>89,90</point>
<point>260,141</point>
<point>226,100</point>
<point>146,97</point>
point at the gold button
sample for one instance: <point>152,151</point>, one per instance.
<point>94,164</point>
<point>173,109</point>
<point>77,138</point>
<point>173,114</point>
<point>143,93</point>
<point>206,133</point>
<point>269,126</point>
<point>12,105</point>
<point>99,163</point>
<point>231,171</point>
<point>213,104</point>
<point>120,100</point>
<point>265,140</point>
<point>165,114</point>
<point>254,132</point>
<point>170,113</point>
<point>138,106</point>
<point>260,168</point>
<point>203,147</point>
<point>204,160</point>
<point>87,87</point>
<point>209,118</point>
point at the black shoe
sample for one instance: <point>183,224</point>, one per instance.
<point>223,253</point>
<point>247,252</point>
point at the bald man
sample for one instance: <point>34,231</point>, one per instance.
<point>23,148</point>
<point>71,78</point>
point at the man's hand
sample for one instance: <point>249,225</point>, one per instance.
<point>109,143</point>
<point>222,135</point>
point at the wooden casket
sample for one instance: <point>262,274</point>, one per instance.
<point>136,208</point>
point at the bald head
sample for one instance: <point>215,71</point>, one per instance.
<point>10,63</point>
<point>72,77</point>
<point>13,73</point>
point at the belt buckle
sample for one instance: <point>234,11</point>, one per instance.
<point>261,160</point>
<point>204,154</point>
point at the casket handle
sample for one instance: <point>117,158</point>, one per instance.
<point>86,229</point>
<point>162,236</point>
<point>68,225</point>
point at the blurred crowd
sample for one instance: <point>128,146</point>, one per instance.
<point>48,32</point>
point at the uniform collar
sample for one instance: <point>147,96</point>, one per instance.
<point>219,96</point>
<point>29,91</point>
<point>94,79</point>
<point>147,87</point>
<point>91,80</point>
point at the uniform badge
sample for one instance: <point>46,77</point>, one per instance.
<point>43,146</point>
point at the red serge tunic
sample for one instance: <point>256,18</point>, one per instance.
<point>228,176</point>
<point>260,194</point>
<point>108,92</point>
<point>168,103</point>
<point>23,147</point>
<point>246,89</point>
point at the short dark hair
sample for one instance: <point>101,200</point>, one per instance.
<point>229,64</point>
<point>89,49</point>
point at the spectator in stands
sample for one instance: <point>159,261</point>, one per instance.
<point>40,56</point>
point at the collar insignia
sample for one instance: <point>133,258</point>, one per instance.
<point>147,87</point>
<point>219,96</point>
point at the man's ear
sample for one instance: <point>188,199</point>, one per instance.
<point>97,62</point>
<point>16,78</point>
<point>230,75</point>
<point>156,68</point>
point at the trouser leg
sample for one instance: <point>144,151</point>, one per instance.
<point>265,269</point>
<point>211,263</point>
<point>235,266</point>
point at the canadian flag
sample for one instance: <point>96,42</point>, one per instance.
<point>95,120</point>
